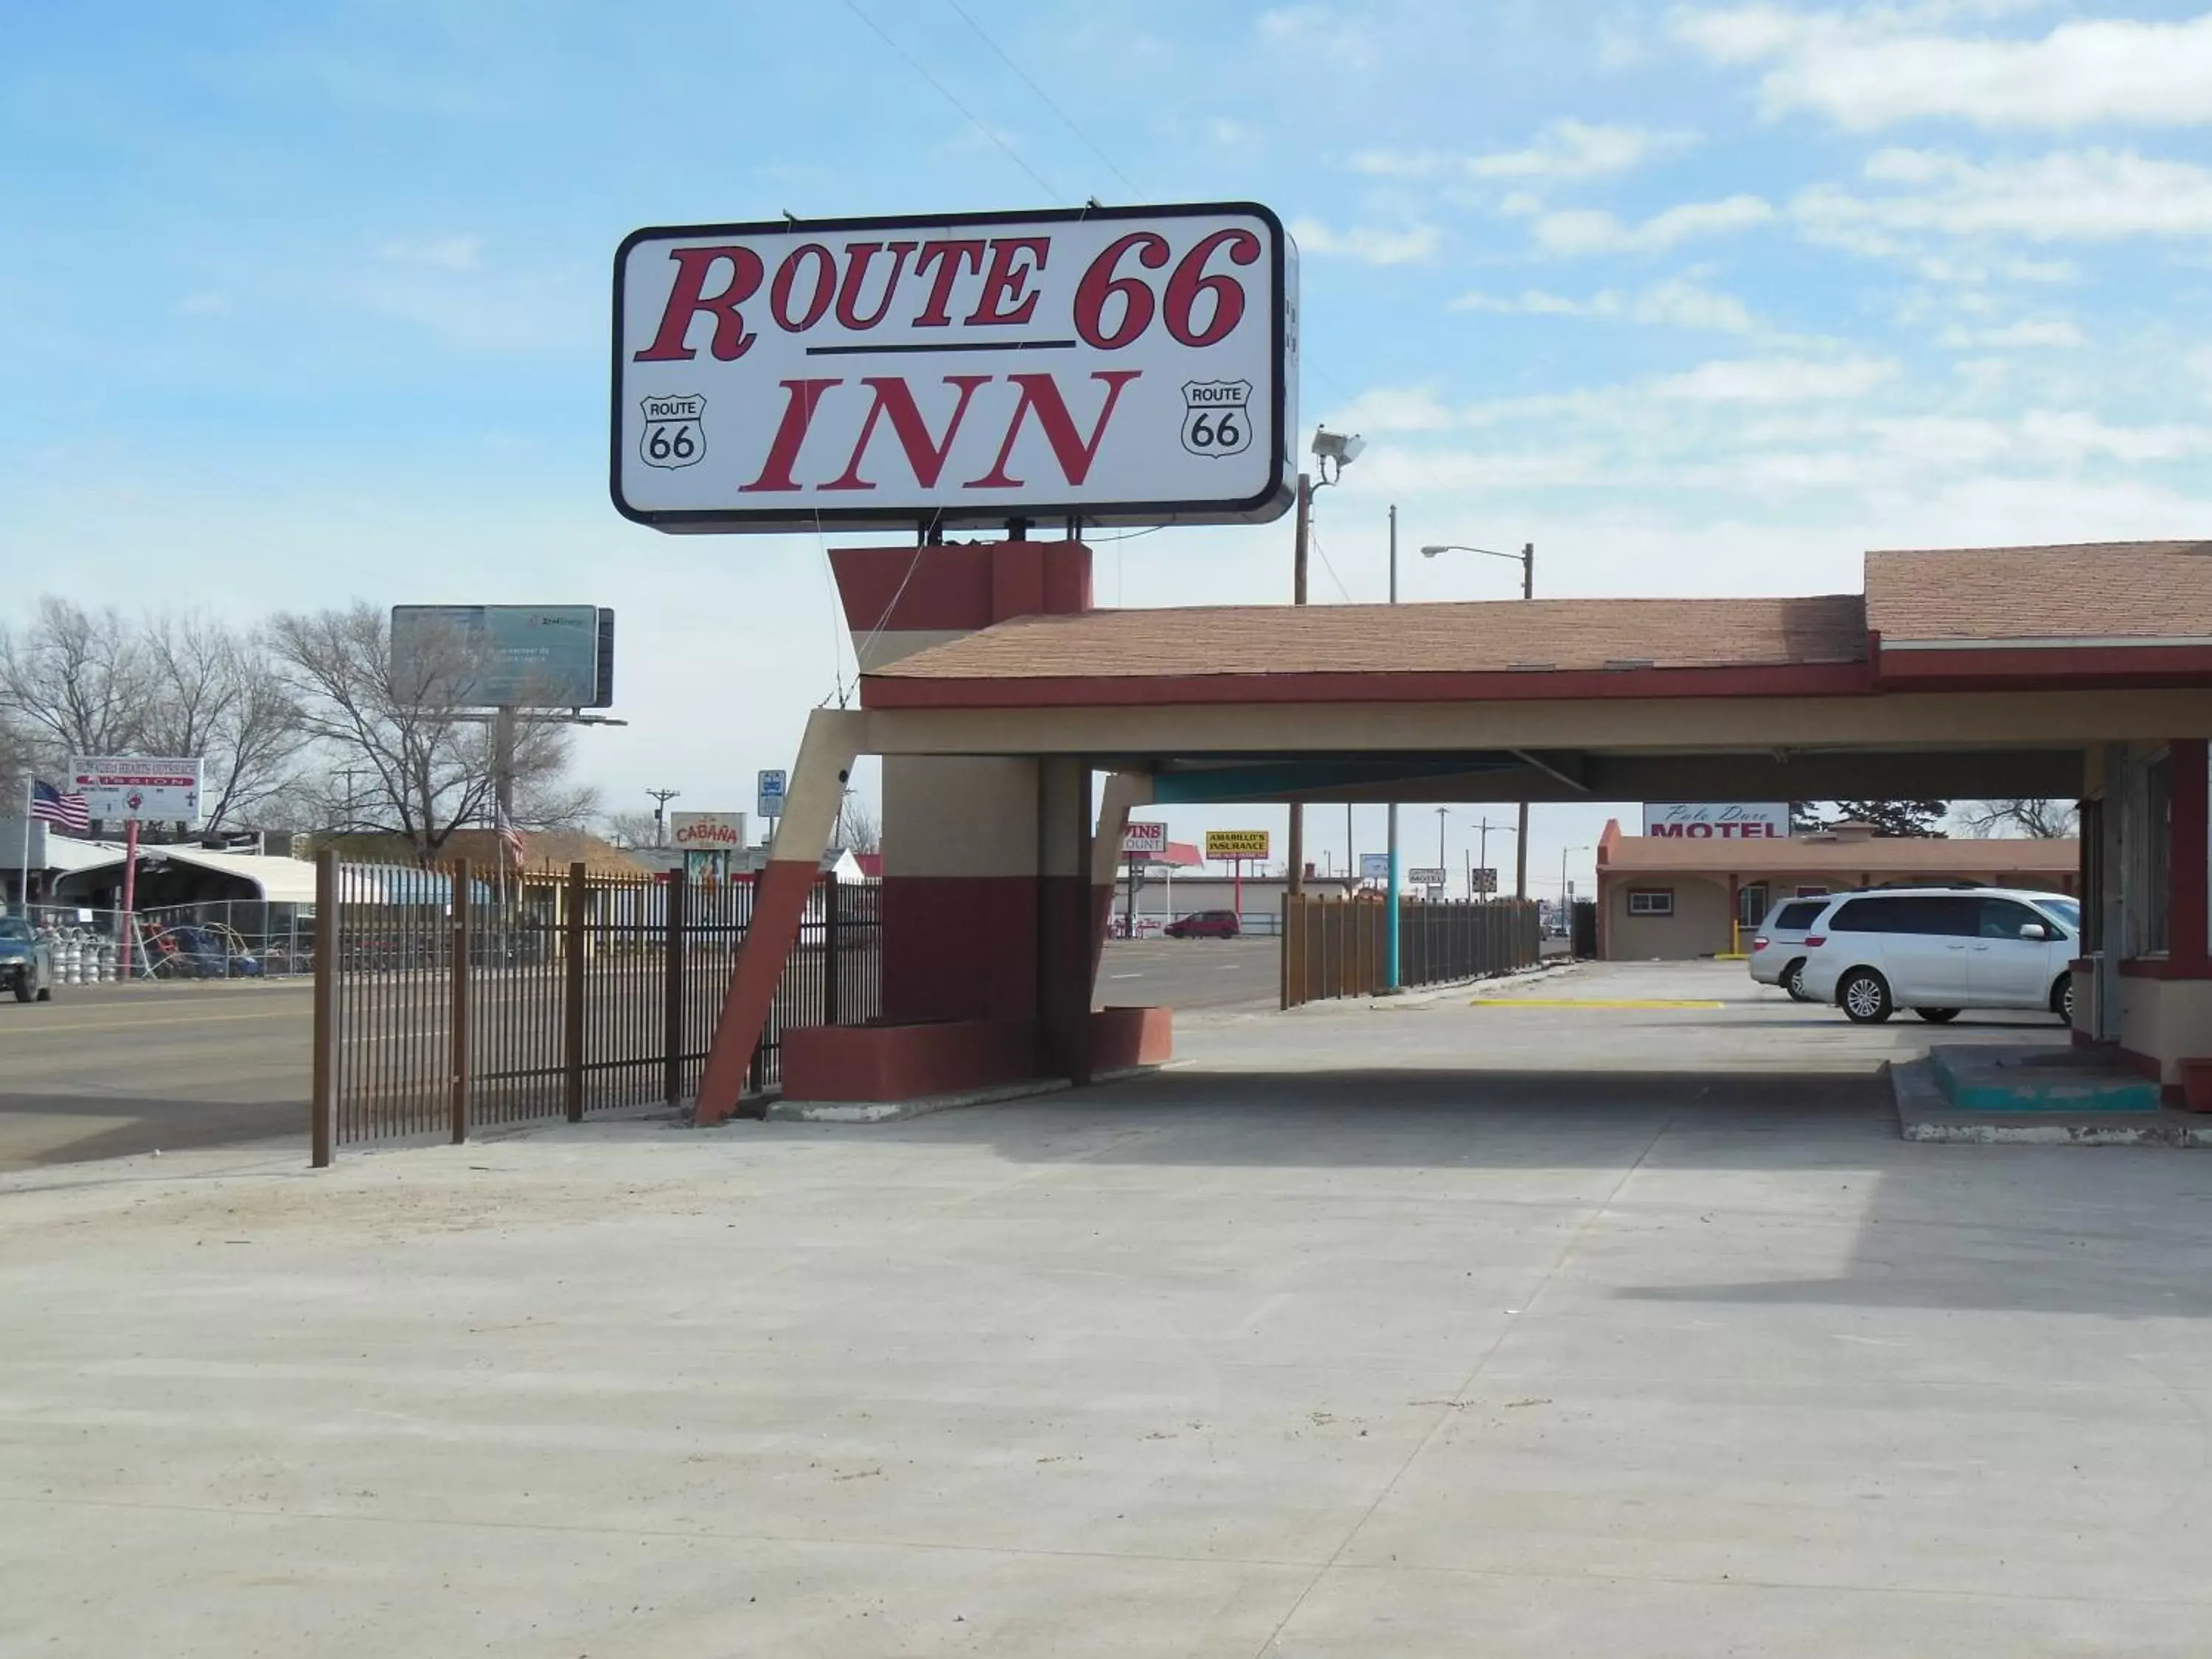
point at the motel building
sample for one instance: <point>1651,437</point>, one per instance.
<point>1701,878</point>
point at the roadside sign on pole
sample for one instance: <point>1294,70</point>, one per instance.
<point>120,789</point>
<point>1236,844</point>
<point>769,803</point>
<point>1427,876</point>
<point>1144,840</point>
<point>1375,866</point>
<point>1483,881</point>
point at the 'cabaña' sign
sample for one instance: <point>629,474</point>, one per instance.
<point>1119,365</point>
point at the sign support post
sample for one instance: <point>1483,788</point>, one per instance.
<point>129,897</point>
<point>23,891</point>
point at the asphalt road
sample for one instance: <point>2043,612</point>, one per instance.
<point>1192,974</point>
<point>104,1070</point>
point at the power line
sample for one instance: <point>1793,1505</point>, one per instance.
<point>974,120</point>
<point>1313,538</point>
<point>1045,97</point>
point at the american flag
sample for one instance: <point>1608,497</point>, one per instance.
<point>67,811</point>
<point>509,836</point>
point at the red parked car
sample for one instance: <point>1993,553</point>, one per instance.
<point>1204,924</point>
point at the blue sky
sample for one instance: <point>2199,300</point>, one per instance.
<point>308,303</point>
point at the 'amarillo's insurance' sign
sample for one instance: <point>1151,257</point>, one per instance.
<point>1118,365</point>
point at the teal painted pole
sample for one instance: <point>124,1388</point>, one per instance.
<point>1391,980</point>
<point>1390,927</point>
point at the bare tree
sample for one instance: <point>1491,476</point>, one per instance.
<point>74,681</point>
<point>415,761</point>
<point>213,692</point>
<point>2045,820</point>
<point>636,828</point>
<point>861,830</point>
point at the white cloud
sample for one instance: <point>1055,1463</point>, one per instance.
<point>2013,337</point>
<point>1592,230</point>
<point>2095,195</point>
<point>1778,381</point>
<point>440,253</point>
<point>1393,409</point>
<point>1318,33</point>
<point>1564,150</point>
<point>1887,64</point>
<point>1368,245</point>
<point>1676,304</point>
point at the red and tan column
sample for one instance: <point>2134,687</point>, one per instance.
<point>816,792</point>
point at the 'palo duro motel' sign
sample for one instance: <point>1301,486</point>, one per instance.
<point>1119,365</point>
<point>1718,821</point>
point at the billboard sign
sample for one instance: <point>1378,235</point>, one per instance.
<point>118,788</point>
<point>1426,876</point>
<point>707,832</point>
<point>1122,365</point>
<point>769,794</point>
<point>1237,843</point>
<point>1724,821</point>
<point>1375,866</point>
<point>504,656</point>
<point>1483,881</point>
<point>1144,840</point>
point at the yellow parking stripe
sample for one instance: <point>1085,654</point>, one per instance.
<point>1594,1002</point>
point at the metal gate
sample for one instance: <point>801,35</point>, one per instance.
<point>447,1000</point>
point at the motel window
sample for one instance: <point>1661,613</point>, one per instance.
<point>1651,901</point>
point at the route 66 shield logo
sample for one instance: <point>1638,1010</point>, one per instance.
<point>675,431</point>
<point>1217,417</point>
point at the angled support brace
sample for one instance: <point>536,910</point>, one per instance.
<point>802,836</point>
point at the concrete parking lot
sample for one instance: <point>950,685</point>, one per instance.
<point>1192,974</point>
<point>1435,1329</point>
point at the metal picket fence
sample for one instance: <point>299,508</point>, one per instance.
<point>1334,947</point>
<point>446,1001</point>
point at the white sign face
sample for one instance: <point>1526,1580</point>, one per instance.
<point>1122,365</point>
<point>704,832</point>
<point>1428,876</point>
<point>1375,866</point>
<point>117,788</point>
<point>768,795</point>
<point>1729,820</point>
<point>1145,839</point>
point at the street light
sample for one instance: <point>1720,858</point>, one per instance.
<point>1526,559</point>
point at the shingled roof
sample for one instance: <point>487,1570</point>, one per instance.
<point>2085,591</point>
<point>1491,637</point>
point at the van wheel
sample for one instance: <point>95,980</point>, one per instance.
<point>1793,980</point>
<point>2062,998</point>
<point>1863,996</point>
<point>22,990</point>
<point>1937,1016</point>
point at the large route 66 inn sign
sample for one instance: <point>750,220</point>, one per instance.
<point>1122,365</point>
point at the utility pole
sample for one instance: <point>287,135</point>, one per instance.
<point>1440,840</point>
<point>1295,883</point>
<point>660,799</point>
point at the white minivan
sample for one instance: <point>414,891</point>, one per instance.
<point>1938,950</point>
<point>1777,948</point>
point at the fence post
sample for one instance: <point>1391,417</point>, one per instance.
<point>322,1113</point>
<point>572,1000</point>
<point>459,977</point>
<point>830,947</point>
<point>674,948</point>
